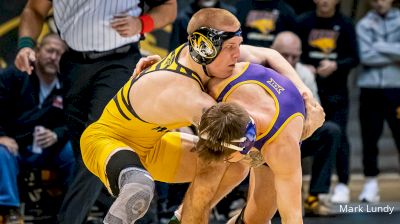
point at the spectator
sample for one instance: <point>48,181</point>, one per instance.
<point>179,33</point>
<point>301,6</point>
<point>262,20</point>
<point>379,40</point>
<point>330,50</point>
<point>102,39</point>
<point>322,145</point>
<point>29,102</point>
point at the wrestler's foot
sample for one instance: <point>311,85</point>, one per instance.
<point>315,207</point>
<point>174,220</point>
<point>131,204</point>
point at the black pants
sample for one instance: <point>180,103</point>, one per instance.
<point>376,106</point>
<point>336,106</point>
<point>90,84</point>
<point>322,145</point>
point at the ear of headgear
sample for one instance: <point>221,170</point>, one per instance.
<point>206,43</point>
<point>247,142</point>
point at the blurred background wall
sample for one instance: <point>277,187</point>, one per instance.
<point>155,43</point>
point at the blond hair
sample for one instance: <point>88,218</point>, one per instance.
<point>221,123</point>
<point>213,18</point>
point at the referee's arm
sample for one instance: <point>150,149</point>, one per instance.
<point>164,13</point>
<point>32,19</point>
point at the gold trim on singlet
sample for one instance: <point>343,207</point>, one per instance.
<point>170,63</point>
<point>269,91</point>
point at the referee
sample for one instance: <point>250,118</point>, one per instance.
<point>102,37</point>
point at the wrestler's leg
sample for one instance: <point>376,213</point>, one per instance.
<point>120,169</point>
<point>185,171</point>
<point>234,175</point>
<point>261,203</point>
<point>134,190</point>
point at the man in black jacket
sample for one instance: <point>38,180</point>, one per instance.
<point>32,126</point>
<point>262,20</point>
<point>330,51</point>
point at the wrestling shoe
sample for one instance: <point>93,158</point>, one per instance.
<point>370,192</point>
<point>341,194</point>
<point>315,207</point>
<point>174,220</point>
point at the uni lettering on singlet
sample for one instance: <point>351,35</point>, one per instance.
<point>275,86</point>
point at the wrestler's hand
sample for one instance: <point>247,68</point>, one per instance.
<point>253,158</point>
<point>126,25</point>
<point>144,63</point>
<point>24,59</point>
<point>10,144</point>
<point>315,116</point>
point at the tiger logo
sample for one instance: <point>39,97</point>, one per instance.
<point>202,45</point>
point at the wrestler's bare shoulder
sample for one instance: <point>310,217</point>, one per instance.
<point>167,97</point>
<point>214,83</point>
<point>163,79</point>
<point>254,98</point>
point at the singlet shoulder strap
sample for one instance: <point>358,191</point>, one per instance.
<point>170,63</point>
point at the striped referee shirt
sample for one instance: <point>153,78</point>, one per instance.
<point>85,24</point>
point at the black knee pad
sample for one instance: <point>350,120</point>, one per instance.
<point>120,160</point>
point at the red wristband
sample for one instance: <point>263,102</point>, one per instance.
<point>147,23</point>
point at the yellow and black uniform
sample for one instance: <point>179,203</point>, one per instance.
<point>120,127</point>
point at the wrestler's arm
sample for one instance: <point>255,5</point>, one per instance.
<point>258,55</point>
<point>283,157</point>
<point>273,59</point>
<point>197,201</point>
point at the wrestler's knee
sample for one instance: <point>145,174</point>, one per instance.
<point>136,192</point>
<point>117,163</point>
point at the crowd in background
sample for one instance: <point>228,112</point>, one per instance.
<point>321,43</point>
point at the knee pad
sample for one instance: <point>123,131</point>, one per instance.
<point>133,201</point>
<point>135,175</point>
<point>121,160</point>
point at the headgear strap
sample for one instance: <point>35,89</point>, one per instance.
<point>245,143</point>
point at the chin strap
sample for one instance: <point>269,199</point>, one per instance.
<point>205,70</point>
